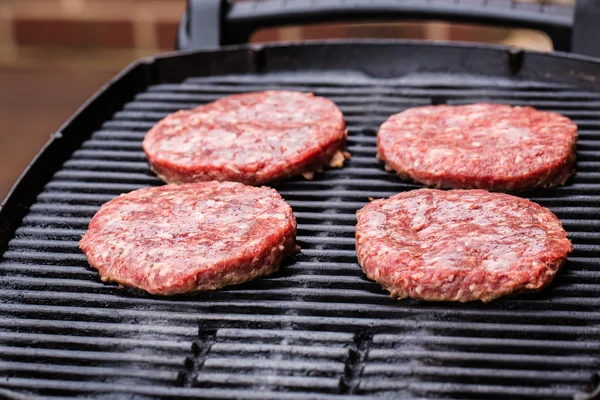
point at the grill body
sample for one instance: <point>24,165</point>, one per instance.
<point>319,328</point>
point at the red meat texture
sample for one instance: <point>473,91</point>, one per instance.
<point>254,138</point>
<point>184,238</point>
<point>459,245</point>
<point>487,146</point>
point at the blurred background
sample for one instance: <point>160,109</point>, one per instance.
<point>54,54</point>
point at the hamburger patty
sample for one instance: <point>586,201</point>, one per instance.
<point>459,245</point>
<point>254,138</point>
<point>488,146</point>
<point>185,238</point>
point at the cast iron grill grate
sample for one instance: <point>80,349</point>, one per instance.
<point>317,329</point>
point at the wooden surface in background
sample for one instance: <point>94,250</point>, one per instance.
<point>33,104</point>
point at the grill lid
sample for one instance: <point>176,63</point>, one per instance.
<point>318,329</point>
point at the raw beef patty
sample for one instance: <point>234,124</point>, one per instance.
<point>254,138</point>
<point>488,146</point>
<point>185,238</point>
<point>459,245</point>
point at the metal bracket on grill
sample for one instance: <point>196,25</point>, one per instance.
<point>209,24</point>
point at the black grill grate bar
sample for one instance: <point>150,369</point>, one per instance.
<point>56,245</point>
<point>48,270</point>
<point>110,165</point>
<point>395,339</point>
<point>290,350</point>
<point>284,334</point>
<point>501,316</point>
<point>334,321</point>
<point>295,365</point>
<point>349,323</point>
<point>270,291</point>
<point>340,96</point>
<point>587,144</point>
<point>124,135</point>
<point>49,256</point>
<point>309,383</point>
<point>113,144</point>
<point>326,81</point>
<point>62,233</point>
<point>107,154</point>
<point>53,283</point>
<point>99,327</point>
<point>166,392</point>
<point>465,389</point>
<point>557,105</point>
<point>190,88</point>
<point>379,370</point>
<point>91,373</point>
<point>72,198</point>
<point>93,341</point>
<point>314,293</point>
<point>64,208</point>
<point>97,356</point>
<point>490,358</point>
<point>169,107</point>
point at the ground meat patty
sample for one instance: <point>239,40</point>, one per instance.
<point>254,138</point>
<point>488,146</point>
<point>185,238</point>
<point>459,245</point>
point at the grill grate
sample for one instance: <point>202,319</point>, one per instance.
<point>318,329</point>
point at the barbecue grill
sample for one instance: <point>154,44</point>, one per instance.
<point>318,329</point>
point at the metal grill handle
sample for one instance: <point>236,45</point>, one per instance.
<point>212,23</point>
